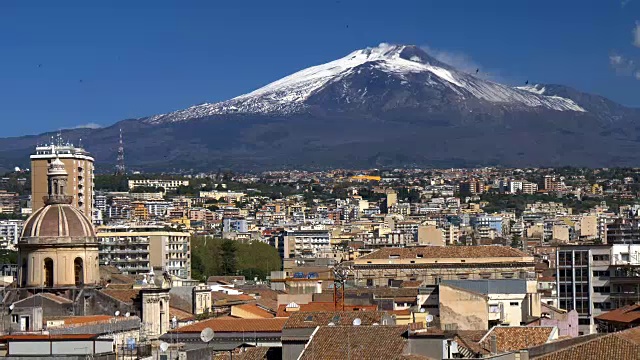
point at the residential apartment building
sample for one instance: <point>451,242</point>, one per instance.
<point>140,249</point>
<point>234,224</point>
<point>9,202</point>
<point>432,264</point>
<point>79,165</point>
<point>304,243</point>
<point>10,231</point>
<point>522,187</point>
<point>158,183</point>
<point>593,279</point>
<point>623,231</point>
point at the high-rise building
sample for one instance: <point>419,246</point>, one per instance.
<point>593,279</point>
<point>78,164</point>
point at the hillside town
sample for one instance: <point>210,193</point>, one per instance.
<point>398,263</point>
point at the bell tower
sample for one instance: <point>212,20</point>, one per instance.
<point>57,178</point>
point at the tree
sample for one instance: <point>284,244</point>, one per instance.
<point>228,254</point>
<point>254,259</point>
<point>516,242</point>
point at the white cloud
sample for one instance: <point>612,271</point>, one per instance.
<point>624,3</point>
<point>636,34</point>
<point>464,62</point>
<point>88,126</point>
<point>622,65</point>
<point>638,75</point>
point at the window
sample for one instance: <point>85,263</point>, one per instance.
<point>601,273</point>
<point>514,303</point>
<point>601,257</point>
<point>602,289</point>
<point>584,321</point>
<point>507,275</point>
<point>602,305</point>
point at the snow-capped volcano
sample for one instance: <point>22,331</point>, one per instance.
<point>387,67</point>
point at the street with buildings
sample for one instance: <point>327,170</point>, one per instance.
<point>441,263</point>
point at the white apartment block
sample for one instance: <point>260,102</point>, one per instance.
<point>10,231</point>
<point>165,184</point>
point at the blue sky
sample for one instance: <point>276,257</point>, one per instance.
<point>69,63</point>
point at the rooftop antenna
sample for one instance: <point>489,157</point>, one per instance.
<point>120,161</point>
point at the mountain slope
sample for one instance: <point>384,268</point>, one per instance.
<point>405,64</point>
<point>382,106</point>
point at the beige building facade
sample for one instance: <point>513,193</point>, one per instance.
<point>432,264</point>
<point>139,249</point>
<point>79,166</point>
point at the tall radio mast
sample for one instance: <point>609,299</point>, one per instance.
<point>120,161</point>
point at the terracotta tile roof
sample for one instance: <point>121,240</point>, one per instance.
<point>56,298</point>
<point>323,306</point>
<point>255,353</point>
<point>180,302</point>
<point>511,338</point>
<point>362,342</point>
<point>470,344</point>
<point>219,297</point>
<point>401,312</point>
<point>473,335</point>
<point>229,324</point>
<point>181,315</point>
<point>253,310</point>
<point>125,296</point>
<point>620,345</point>
<point>268,304</point>
<point>412,357</point>
<point>431,252</point>
<point>627,314</point>
<point>411,284</point>
<point>303,319</point>
<point>76,320</point>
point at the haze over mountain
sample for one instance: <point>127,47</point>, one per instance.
<point>391,105</point>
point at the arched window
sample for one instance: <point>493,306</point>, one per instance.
<point>78,271</point>
<point>48,272</point>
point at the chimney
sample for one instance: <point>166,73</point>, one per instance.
<point>493,343</point>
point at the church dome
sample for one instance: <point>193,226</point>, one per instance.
<point>60,220</point>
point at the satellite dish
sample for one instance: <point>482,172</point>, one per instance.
<point>429,318</point>
<point>164,346</point>
<point>118,313</point>
<point>423,310</point>
<point>206,335</point>
<point>331,324</point>
<point>357,322</point>
<point>127,314</point>
<point>12,306</point>
<point>375,324</point>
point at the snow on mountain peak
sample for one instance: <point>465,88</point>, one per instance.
<point>288,95</point>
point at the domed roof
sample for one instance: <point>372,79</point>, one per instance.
<point>60,220</point>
